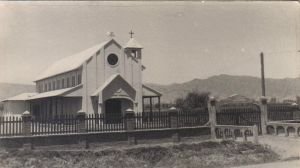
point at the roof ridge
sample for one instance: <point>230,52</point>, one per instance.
<point>70,62</point>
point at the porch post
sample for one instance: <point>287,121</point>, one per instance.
<point>143,104</point>
<point>158,103</point>
<point>151,112</point>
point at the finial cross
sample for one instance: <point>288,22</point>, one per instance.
<point>131,33</point>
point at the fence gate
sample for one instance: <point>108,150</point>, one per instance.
<point>239,114</point>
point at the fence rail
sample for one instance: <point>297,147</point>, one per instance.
<point>282,111</point>
<point>154,120</point>
<point>56,125</point>
<point>192,118</point>
<point>10,126</point>
<point>104,123</point>
<point>239,116</point>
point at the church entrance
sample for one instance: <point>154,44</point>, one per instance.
<point>113,111</point>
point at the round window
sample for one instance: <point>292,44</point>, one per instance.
<point>112,59</point>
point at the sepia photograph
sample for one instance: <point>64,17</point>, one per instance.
<point>150,84</point>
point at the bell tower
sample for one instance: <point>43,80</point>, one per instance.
<point>133,47</point>
<point>134,69</point>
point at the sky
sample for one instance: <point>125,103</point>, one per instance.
<point>181,40</point>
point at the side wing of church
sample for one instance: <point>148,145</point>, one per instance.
<point>106,78</point>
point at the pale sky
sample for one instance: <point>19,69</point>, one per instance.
<point>182,40</point>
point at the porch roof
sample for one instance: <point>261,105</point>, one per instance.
<point>20,97</point>
<point>60,92</point>
<point>147,91</point>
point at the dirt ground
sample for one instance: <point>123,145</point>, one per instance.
<point>286,147</point>
<point>190,154</point>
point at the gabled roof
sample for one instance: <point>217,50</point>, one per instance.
<point>108,81</point>
<point>71,62</point>
<point>20,97</point>
<point>53,93</point>
<point>132,43</point>
<point>147,91</point>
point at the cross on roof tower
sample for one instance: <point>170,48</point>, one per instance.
<point>131,33</point>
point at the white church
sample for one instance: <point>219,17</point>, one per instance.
<point>103,79</point>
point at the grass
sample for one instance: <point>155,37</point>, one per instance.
<point>200,155</point>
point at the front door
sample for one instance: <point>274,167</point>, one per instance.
<point>113,111</point>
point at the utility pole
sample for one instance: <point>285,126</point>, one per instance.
<point>263,88</point>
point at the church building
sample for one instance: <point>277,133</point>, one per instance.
<point>103,79</point>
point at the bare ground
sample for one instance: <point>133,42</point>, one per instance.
<point>164,155</point>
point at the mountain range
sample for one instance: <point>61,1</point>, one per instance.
<point>226,85</point>
<point>220,86</point>
<point>11,89</point>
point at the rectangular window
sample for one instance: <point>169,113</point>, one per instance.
<point>68,82</point>
<point>63,83</point>
<point>73,80</point>
<point>53,83</point>
<point>49,85</point>
<point>57,84</point>
<point>41,87</point>
<point>45,87</point>
<point>79,79</point>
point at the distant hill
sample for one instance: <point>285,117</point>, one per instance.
<point>221,86</point>
<point>226,85</point>
<point>8,89</point>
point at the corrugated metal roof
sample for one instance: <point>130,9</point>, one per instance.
<point>22,97</point>
<point>147,91</point>
<point>53,93</point>
<point>71,62</point>
<point>132,43</point>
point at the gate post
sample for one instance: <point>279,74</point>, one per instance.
<point>81,119</point>
<point>82,129</point>
<point>173,116</point>
<point>255,134</point>
<point>26,127</point>
<point>130,126</point>
<point>263,115</point>
<point>212,116</point>
<point>26,117</point>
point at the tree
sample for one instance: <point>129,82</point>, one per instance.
<point>193,100</point>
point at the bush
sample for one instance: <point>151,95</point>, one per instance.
<point>193,100</point>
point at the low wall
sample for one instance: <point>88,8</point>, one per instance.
<point>99,137</point>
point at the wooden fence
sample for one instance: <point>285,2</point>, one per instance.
<point>193,118</point>
<point>154,120</point>
<point>244,115</point>
<point>10,126</point>
<point>55,125</point>
<point>104,123</point>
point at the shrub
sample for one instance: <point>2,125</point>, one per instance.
<point>193,100</point>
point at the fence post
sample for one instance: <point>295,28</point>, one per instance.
<point>130,126</point>
<point>81,121</point>
<point>82,129</point>
<point>212,116</point>
<point>26,118</point>
<point>173,117</point>
<point>263,115</point>
<point>26,127</point>
<point>255,134</point>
